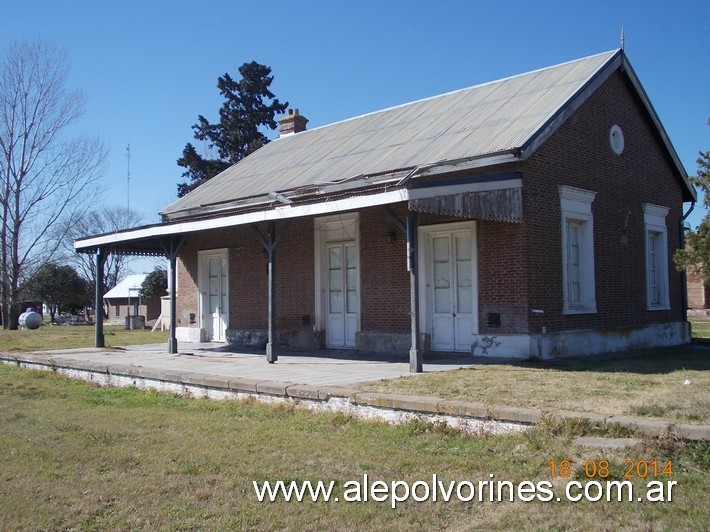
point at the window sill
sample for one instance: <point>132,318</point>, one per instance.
<point>585,310</point>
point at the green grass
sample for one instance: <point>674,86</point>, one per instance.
<point>650,384</point>
<point>74,336</point>
<point>701,329</point>
<point>73,456</point>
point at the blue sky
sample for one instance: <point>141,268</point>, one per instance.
<point>149,68</point>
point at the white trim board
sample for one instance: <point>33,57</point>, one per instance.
<point>288,212</point>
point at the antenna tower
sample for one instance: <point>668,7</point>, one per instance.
<point>128,179</point>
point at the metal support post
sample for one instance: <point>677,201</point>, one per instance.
<point>415,353</point>
<point>99,340</point>
<point>172,250</point>
<point>269,243</point>
<point>271,348</point>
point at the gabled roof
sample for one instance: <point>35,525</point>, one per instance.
<point>480,125</point>
<point>128,287</point>
<point>377,158</point>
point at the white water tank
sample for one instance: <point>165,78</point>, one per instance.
<point>30,320</point>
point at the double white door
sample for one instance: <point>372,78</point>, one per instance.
<point>215,296</point>
<point>343,299</point>
<point>451,290</point>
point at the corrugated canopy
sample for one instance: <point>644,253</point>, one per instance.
<point>492,118</point>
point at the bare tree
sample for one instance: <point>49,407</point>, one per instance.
<point>46,176</point>
<point>104,220</point>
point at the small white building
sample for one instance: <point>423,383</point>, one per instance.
<point>124,300</point>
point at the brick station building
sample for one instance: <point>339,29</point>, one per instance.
<point>534,216</point>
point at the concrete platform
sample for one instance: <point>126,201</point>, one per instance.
<point>324,381</point>
<point>325,367</point>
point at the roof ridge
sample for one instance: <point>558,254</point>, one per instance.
<point>610,53</point>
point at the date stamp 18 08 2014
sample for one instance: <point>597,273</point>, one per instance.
<point>602,469</point>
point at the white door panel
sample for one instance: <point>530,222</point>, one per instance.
<point>443,313</point>
<point>450,294</point>
<point>343,300</point>
<point>215,296</point>
<point>352,298</point>
<point>335,330</point>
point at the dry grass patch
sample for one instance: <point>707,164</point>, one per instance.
<point>74,336</point>
<point>650,384</point>
<point>78,457</point>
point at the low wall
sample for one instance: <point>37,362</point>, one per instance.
<point>246,338</point>
<point>581,342</point>
<point>472,418</point>
<point>190,334</point>
<point>301,338</point>
<point>383,342</point>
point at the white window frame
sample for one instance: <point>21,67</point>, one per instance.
<point>654,221</point>
<point>576,207</point>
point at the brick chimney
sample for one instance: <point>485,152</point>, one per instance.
<point>292,123</point>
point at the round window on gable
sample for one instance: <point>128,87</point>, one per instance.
<point>616,139</point>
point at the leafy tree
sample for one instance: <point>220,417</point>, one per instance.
<point>696,255</point>
<point>46,176</point>
<point>249,105</point>
<point>155,284</point>
<point>59,287</point>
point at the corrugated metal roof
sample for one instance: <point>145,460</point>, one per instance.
<point>128,287</point>
<point>485,119</point>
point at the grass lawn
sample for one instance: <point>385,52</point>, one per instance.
<point>649,385</point>
<point>64,337</point>
<point>701,328</point>
<point>74,456</point>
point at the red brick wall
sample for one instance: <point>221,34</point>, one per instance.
<point>295,274</point>
<point>248,303</point>
<point>578,154</point>
<point>502,272</point>
<point>383,272</point>
<point>248,281</point>
<point>697,291</point>
<point>187,295</point>
<point>384,279</point>
<point>502,277</point>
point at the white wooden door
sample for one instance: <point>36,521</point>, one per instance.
<point>216,297</point>
<point>452,294</point>
<point>343,298</point>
